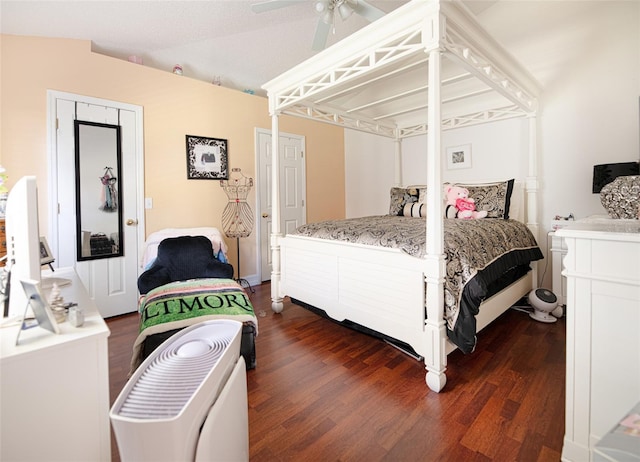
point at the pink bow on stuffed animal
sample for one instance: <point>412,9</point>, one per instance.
<point>465,207</point>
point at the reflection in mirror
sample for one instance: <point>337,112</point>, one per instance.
<point>98,192</point>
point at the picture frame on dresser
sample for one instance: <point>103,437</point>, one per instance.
<point>46,257</point>
<point>41,309</point>
<point>5,288</point>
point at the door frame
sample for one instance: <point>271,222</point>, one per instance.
<point>260,183</point>
<point>52,164</point>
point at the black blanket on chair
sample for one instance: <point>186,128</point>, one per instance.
<point>182,258</point>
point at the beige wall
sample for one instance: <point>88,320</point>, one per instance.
<point>173,106</point>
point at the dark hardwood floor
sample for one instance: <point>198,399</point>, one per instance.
<point>322,392</point>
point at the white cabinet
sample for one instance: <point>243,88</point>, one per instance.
<point>54,389</point>
<point>602,267</point>
<point>558,280</point>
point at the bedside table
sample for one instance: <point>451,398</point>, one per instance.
<point>558,281</point>
<point>558,250</point>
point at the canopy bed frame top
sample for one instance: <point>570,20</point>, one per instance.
<point>426,67</point>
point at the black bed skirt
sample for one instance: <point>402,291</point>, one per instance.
<point>360,328</point>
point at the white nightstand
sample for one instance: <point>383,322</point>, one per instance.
<point>559,251</point>
<point>558,281</point>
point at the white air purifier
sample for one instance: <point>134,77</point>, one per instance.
<point>188,400</point>
<point>543,302</point>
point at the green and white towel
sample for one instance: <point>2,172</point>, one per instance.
<point>181,304</point>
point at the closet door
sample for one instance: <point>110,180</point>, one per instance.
<point>111,282</point>
<point>292,190</point>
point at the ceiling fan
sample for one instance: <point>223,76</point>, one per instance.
<point>327,11</point>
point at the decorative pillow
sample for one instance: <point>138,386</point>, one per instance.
<point>495,198</point>
<point>422,195</point>
<point>414,209</point>
<point>402,196</point>
<point>397,201</point>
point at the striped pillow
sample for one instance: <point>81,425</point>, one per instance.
<point>414,209</point>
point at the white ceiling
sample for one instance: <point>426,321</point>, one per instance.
<point>207,38</point>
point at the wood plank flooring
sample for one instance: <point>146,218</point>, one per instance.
<point>322,392</point>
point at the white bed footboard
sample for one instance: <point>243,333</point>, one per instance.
<point>379,288</point>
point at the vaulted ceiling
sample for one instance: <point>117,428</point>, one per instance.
<point>215,39</point>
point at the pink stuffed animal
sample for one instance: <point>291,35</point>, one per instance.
<point>460,205</point>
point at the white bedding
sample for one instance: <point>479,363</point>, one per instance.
<point>153,241</point>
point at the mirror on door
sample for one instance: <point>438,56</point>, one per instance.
<point>98,192</point>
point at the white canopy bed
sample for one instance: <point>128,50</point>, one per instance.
<point>426,67</point>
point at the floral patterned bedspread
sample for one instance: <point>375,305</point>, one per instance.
<point>470,246</point>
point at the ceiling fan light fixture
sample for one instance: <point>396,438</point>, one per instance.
<point>327,16</point>
<point>321,6</point>
<point>326,11</point>
<point>345,10</point>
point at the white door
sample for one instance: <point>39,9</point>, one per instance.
<point>111,282</point>
<point>292,190</point>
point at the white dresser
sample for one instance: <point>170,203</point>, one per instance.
<point>602,267</point>
<point>54,389</point>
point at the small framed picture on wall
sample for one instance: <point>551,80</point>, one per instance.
<point>459,156</point>
<point>207,158</point>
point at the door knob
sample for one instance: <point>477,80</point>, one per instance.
<point>132,222</point>
<point>265,215</point>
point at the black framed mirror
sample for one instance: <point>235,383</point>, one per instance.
<point>98,193</point>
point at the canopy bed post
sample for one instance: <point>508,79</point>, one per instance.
<point>532,177</point>
<point>436,361</point>
<point>532,187</point>
<point>397,180</point>
<point>276,299</point>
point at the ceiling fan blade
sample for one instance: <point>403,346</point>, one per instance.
<point>322,33</point>
<point>366,10</point>
<point>269,5</point>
